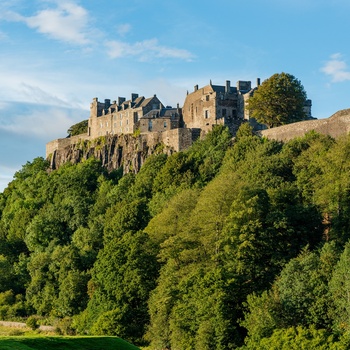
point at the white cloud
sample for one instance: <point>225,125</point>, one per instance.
<point>46,124</point>
<point>336,68</point>
<point>67,22</point>
<point>38,95</point>
<point>146,50</point>
<point>123,29</point>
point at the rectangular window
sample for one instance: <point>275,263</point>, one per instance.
<point>207,97</point>
<point>206,114</point>
<point>164,124</point>
<point>136,117</point>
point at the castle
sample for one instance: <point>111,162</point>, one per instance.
<point>176,127</point>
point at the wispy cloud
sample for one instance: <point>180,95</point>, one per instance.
<point>37,95</point>
<point>123,29</point>
<point>66,22</point>
<point>146,50</point>
<point>336,68</point>
<point>43,123</point>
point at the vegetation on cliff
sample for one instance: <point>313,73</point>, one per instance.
<point>225,245</point>
<point>78,128</point>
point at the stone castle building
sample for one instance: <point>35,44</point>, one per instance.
<point>176,127</point>
<point>125,117</point>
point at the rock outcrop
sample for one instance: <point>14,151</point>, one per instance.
<point>126,151</point>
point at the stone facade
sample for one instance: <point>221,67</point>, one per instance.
<point>217,105</point>
<point>120,116</point>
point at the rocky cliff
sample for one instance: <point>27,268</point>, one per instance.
<point>126,151</point>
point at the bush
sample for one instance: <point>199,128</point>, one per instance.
<point>32,322</point>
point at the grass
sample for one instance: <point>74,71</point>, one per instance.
<point>64,343</point>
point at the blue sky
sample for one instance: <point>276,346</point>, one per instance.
<point>56,55</point>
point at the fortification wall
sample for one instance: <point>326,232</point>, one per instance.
<point>177,139</point>
<point>336,125</point>
<point>54,145</point>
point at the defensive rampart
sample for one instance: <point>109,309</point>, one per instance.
<point>336,125</point>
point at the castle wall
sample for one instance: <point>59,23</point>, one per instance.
<point>338,124</point>
<point>156,124</point>
<point>178,139</point>
<point>54,145</point>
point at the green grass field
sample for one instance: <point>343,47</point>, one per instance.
<point>64,343</point>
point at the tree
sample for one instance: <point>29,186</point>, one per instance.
<point>279,100</point>
<point>79,128</point>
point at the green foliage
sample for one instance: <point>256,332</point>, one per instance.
<point>78,128</point>
<point>296,338</point>
<point>278,100</point>
<point>339,288</point>
<point>228,240</point>
<point>67,343</point>
<point>32,322</point>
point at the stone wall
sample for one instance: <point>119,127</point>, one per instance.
<point>54,145</point>
<point>336,125</point>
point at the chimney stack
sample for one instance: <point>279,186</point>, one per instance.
<point>228,87</point>
<point>195,87</point>
<point>257,82</point>
<point>121,100</point>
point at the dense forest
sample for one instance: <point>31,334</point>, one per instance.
<point>230,244</point>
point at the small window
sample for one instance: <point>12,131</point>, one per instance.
<point>207,97</point>
<point>206,114</point>
<point>164,124</point>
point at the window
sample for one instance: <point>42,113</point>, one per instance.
<point>150,125</point>
<point>206,114</point>
<point>164,124</point>
<point>207,97</point>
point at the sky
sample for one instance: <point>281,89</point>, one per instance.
<point>57,55</point>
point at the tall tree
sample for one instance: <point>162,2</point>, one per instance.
<point>279,100</point>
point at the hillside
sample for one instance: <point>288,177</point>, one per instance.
<point>229,244</point>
